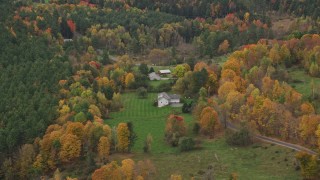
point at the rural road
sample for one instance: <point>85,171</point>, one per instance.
<point>277,142</point>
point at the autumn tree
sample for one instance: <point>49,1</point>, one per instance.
<point>123,135</point>
<point>308,126</point>
<point>57,175</point>
<point>75,128</point>
<point>309,164</point>
<point>209,122</point>
<point>127,168</point>
<point>175,128</point>
<point>225,89</point>
<point>234,65</point>
<point>70,148</point>
<point>145,169</point>
<point>227,75</point>
<point>307,108</point>
<point>274,54</point>
<point>129,79</point>
<point>103,148</point>
<point>27,156</point>
<point>223,47</point>
<point>200,65</point>
<point>125,62</point>
<point>109,171</point>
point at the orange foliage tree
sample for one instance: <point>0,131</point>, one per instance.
<point>209,122</point>
<point>70,148</point>
<point>175,128</point>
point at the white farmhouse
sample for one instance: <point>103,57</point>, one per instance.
<point>165,99</point>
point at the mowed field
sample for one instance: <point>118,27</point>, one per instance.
<point>259,161</point>
<point>146,119</point>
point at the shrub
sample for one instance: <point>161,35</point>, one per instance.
<point>142,92</point>
<point>240,138</point>
<point>147,144</point>
<point>186,144</point>
<point>163,87</point>
<point>175,128</point>
<point>196,128</point>
<point>187,107</point>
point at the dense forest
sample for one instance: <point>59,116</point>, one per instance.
<point>65,67</point>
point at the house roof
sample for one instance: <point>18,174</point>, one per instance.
<point>174,96</point>
<point>164,95</point>
<point>165,71</point>
<point>169,96</point>
<point>154,75</point>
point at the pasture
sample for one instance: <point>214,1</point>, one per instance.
<point>258,161</point>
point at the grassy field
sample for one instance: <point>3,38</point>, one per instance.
<point>259,161</point>
<point>256,162</point>
<point>301,81</point>
<point>146,119</point>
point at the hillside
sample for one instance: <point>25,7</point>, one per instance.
<point>77,101</point>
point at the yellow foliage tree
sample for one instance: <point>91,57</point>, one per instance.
<point>64,110</point>
<point>226,88</point>
<point>308,126</point>
<point>232,64</point>
<point>274,54</point>
<point>246,17</point>
<point>94,110</point>
<point>103,149</point>
<point>127,169</point>
<point>123,135</point>
<point>107,131</point>
<point>228,75</point>
<point>70,148</point>
<point>129,79</point>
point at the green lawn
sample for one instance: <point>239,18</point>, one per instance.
<point>301,81</point>
<point>146,119</point>
<point>259,161</point>
<point>155,84</point>
<point>157,68</point>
